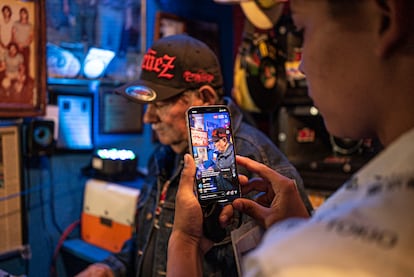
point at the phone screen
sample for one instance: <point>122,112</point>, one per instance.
<point>212,147</point>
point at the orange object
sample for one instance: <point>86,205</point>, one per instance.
<point>108,216</point>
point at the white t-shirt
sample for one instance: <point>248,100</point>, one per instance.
<point>6,31</point>
<point>22,33</point>
<point>365,229</point>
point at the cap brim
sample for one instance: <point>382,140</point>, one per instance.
<point>262,18</point>
<point>144,92</point>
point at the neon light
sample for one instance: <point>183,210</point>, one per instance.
<point>116,154</point>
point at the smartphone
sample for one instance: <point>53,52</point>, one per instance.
<point>211,144</point>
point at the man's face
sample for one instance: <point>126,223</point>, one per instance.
<point>6,13</point>
<point>221,145</point>
<point>12,50</point>
<point>338,58</point>
<point>168,120</point>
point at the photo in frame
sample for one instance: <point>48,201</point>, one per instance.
<point>23,66</point>
<point>167,24</point>
<point>119,115</point>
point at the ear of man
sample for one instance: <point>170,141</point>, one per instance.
<point>208,95</point>
<point>396,22</point>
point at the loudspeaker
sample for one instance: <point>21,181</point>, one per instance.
<point>40,138</point>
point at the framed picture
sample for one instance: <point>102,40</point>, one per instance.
<point>71,108</point>
<point>207,32</point>
<point>167,24</point>
<point>23,66</point>
<point>119,115</point>
<point>75,122</point>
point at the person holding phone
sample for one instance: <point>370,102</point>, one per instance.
<point>179,72</point>
<point>358,57</point>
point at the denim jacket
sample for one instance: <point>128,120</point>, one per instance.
<point>166,165</point>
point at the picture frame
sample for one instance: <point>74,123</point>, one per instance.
<point>167,24</point>
<point>75,122</point>
<point>23,86</point>
<point>171,24</point>
<point>119,115</point>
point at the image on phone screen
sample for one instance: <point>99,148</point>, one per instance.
<point>212,147</point>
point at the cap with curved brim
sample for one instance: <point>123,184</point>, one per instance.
<point>172,65</point>
<point>144,92</point>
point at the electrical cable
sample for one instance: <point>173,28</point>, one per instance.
<point>52,199</point>
<point>43,211</point>
<point>26,207</point>
<point>62,239</point>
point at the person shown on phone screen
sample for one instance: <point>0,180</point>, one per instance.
<point>179,72</point>
<point>224,161</point>
<point>358,58</point>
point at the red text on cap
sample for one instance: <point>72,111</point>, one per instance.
<point>198,77</point>
<point>161,65</point>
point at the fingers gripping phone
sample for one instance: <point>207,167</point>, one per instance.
<point>211,144</point>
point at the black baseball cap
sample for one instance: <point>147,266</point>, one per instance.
<point>172,65</point>
<point>218,134</point>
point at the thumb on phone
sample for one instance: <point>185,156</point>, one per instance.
<point>188,214</point>
<point>187,176</point>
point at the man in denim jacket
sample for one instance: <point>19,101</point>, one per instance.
<point>178,72</point>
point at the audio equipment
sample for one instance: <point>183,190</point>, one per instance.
<point>40,137</point>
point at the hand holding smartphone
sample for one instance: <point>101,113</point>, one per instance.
<point>212,147</point>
